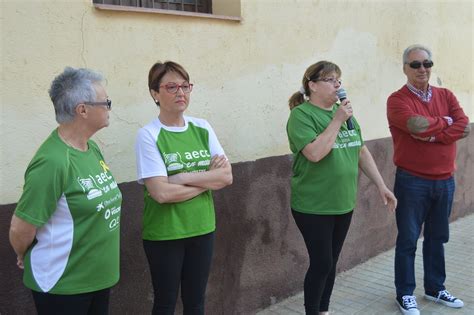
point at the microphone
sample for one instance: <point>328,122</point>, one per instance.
<point>342,95</point>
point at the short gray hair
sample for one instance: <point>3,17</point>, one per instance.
<point>70,88</point>
<point>411,48</point>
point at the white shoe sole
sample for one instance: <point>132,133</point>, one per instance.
<point>412,311</point>
<point>457,304</point>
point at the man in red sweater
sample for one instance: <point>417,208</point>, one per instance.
<point>425,122</point>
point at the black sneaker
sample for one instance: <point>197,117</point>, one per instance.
<point>407,305</point>
<point>444,297</point>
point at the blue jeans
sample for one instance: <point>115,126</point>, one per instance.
<point>421,201</point>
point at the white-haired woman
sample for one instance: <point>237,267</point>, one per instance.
<point>65,228</point>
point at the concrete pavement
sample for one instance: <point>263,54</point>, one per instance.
<point>368,288</point>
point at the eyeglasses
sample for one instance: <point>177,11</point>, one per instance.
<point>330,80</point>
<point>417,64</point>
<point>173,87</point>
<point>107,103</point>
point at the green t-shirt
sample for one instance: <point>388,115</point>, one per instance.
<point>75,203</point>
<point>165,151</point>
<point>330,185</point>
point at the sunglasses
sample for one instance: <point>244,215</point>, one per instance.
<point>417,64</point>
<point>107,103</point>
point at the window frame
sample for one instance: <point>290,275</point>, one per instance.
<point>122,8</point>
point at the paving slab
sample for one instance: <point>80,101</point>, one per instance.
<point>368,288</point>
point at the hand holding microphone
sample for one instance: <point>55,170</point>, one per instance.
<point>342,95</point>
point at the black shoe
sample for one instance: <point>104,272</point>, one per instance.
<point>407,305</point>
<point>444,297</point>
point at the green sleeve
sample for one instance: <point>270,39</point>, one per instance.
<point>44,182</point>
<point>301,130</point>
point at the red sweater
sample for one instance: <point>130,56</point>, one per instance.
<point>432,160</point>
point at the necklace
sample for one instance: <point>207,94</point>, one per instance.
<point>68,143</point>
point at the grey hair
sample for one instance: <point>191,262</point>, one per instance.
<point>70,88</point>
<point>411,48</point>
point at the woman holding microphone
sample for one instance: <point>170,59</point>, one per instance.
<point>327,157</point>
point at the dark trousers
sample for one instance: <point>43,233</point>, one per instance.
<point>91,303</point>
<point>324,236</point>
<point>184,262</point>
<point>421,201</point>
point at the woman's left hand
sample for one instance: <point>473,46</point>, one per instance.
<point>218,161</point>
<point>19,262</point>
<point>388,198</point>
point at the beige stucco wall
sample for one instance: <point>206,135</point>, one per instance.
<point>243,72</point>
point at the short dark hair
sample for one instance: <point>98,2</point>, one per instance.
<point>160,69</point>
